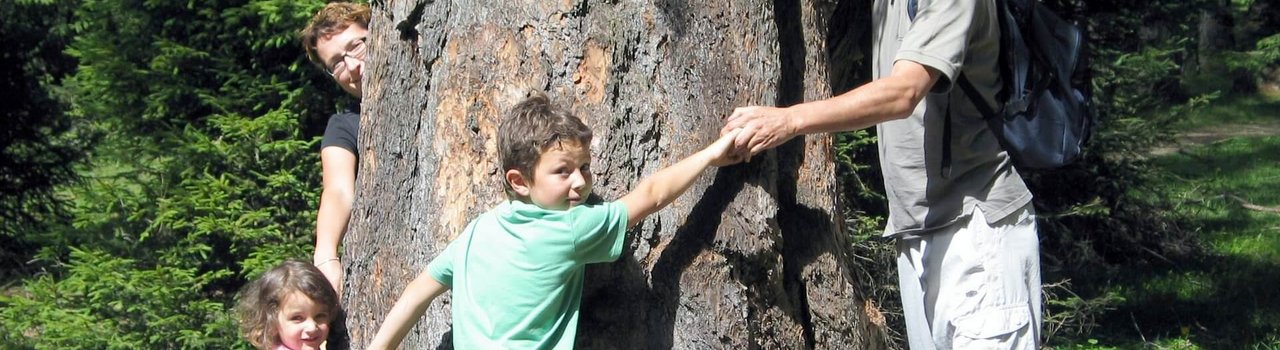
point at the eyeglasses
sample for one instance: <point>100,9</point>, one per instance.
<point>355,53</point>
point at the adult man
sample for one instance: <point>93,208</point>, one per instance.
<point>335,41</point>
<point>968,254</point>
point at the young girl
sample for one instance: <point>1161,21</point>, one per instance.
<point>289,307</point>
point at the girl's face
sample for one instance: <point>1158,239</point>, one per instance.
<point>303,323</point>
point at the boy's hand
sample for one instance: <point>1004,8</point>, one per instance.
<point>722,151</point>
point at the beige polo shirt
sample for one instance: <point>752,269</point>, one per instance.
<point>949,36</point>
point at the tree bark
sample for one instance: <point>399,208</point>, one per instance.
<point>1215,36</point>
<point>752,256</point>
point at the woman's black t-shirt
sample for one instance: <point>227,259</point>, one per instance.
<point>342,131</point>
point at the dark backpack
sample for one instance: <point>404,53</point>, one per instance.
<point>1045,117</point>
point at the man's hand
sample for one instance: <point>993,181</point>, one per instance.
<point>762,128</point>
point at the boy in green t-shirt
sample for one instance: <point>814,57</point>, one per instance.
<point>516,270</point>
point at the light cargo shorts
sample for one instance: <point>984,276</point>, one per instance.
<point>973,285</point>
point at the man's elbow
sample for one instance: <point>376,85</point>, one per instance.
<point>909,83</point>
<point>904,103</point>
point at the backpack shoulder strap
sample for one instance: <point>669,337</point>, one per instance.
<point>975,97</point>
<point>987,114</point>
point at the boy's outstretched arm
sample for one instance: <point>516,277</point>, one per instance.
<point>661,188</point>
<point>408,309</point>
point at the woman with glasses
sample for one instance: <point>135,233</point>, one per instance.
<point>335,41</point>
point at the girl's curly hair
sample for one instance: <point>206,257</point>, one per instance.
<point>259,302</point>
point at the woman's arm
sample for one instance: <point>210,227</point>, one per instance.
<point>339,178</point>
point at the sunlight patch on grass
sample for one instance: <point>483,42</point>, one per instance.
<point>1225,184</point>
<point>1190,286</point>
<point>1263,246</point>
<point>1244,170</point>
<point>1226,189</point>
<point>1254,109</point>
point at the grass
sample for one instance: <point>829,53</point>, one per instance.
<point>1228,297</point>
<point>1235,110</point>
<point>1238,286</point>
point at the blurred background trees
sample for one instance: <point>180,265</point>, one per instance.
<point>157,154</point>
<point>38,146</point>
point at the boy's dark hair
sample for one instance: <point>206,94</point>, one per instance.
<point>533,126</point>
<point>260,300</point>
<point>333,18</point>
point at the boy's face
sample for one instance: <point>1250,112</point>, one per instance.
<point>561,178</point>
<point>342,54</point>
<point>303,323</point>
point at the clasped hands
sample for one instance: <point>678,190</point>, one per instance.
<point>761,127</point>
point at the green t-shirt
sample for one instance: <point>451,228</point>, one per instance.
<point>516,272</point>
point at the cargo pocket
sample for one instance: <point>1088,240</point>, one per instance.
<point>996,327</point>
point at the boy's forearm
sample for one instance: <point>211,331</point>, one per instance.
<point>408,309</point>
<point>661,188</point>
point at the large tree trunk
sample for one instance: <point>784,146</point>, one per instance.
<point>752,256</point>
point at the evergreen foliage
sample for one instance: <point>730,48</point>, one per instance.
<point>1264,56</point>
<point>40,143</point>
<point>206,174</point>
<point>1091,212</point>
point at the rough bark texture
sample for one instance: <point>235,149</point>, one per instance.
<point>753,256</point>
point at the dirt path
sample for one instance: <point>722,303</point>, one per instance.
<point>1216,133</point>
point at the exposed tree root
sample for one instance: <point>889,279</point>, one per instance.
<point>1244,203</point>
